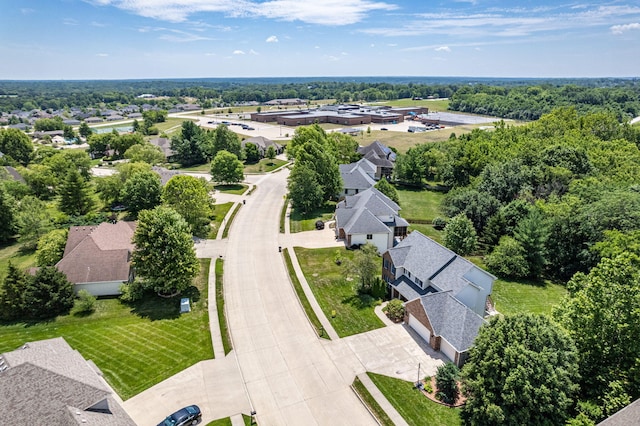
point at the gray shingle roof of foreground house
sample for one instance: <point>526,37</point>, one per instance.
<point>48,382</point>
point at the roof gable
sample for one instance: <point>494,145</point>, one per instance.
<point>452,319</point>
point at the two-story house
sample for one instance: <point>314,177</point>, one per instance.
<point>446,295</point>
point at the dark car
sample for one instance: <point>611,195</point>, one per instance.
<point>319,224</point>
<point>190,415</point>
<point>383,128</point>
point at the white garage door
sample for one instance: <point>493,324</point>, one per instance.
<point>419,328</point>
<point>448,350</point>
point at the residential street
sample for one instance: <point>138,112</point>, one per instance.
<point>279,368</point>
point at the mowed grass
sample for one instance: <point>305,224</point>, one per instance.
<point>420,204</point>
<point>521,296</point>
<point>429,231</point>
<point>227,421</point>
<point>265,165</point>
<point>370,401</point>
<point>171,125</point>
<point>136,345</point>
<point>432,104</point>
<point>413,405</point>
<point>299,222</point>
<point>353,313</point>
<point>237,189</point>
<point>12,253</point>
<point>219,213</point>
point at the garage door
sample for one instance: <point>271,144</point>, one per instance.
<point>419,328</point>
<point>448,350</point>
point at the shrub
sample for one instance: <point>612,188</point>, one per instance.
<point>85,304</point>
<point>394,310</point>
<point>132,291</point>
<point>447,383</point>
<point>439,223</point>
<point>427,385</point>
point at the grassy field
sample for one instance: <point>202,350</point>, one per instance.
<point>171,126</point>
<point>313,318</point>
<point>429,231</point>
<point>202,168</point>
<point>237,189</point>
<point>219,212</point>
<point>353,313</point>
<point>432,104</point>
<point>514,297</point>
<point>370,401</point>
<point>264,166</point>
<point>12,253</point>
<point>412,405</point>
<point>307,222</point>
<point>135,345</point>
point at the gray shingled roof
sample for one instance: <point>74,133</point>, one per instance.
<point>425,257</point>
<point>48,382</point>
<point>409,289</point>
<point>362,213</point>
<point>381,150</point>
<point>365,222</point>
<point>628,416</point>
<point>451,319</point>
<point>355,178</point>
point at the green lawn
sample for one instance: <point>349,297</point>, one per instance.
<point>202,168</point>
<point>354,314</point>
<point>264,166</point>
<point>370,401</point>
<point>171,125</point>
<point>136,345</point>
<point>11,253</point>
<point>227,421</point>
<point>429,231</point>
<point>307,222</point>
<point>413,405</point>
<point>420,204</point>
<point>313,318</point>
<point>237,189</point>
<point>219,212</point>
<point>222,315</point>
<point>432,104</point>
<point>514,297</point>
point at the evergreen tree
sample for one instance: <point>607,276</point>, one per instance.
<point>48,294</point>
<point>387,189</point>
<point>532,234</point>
<point>12,293</point>
<point>74,195</point>
<point>7,215</point>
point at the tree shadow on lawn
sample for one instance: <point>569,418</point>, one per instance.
<point>360,301</point>
<point>327,208</point>
<point>155,307</point>
<point>230,187</point>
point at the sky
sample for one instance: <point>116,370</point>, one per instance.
<point>131,39</point>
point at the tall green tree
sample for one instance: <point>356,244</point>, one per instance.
<point>75,198</point>
<point>146,153</point>
<point>190,146</point>
<point>460,236</point>
<point>447,382</point>
<point>48,294</point>
<point>164,256</point>
<point>521,369</point>
<point>16,144</point>
<point>602,315</point>
<point>32,220</point>
<point>508,259</point>
<point>224,139</point>
<point>84,130</point>
<point>142,191</point>
<point>226,168</point>
<point>7,215</point>
<point>387,189</point>
<point>271,152</point>
<point>251,153</point>
<point>12,293</point>
<point>304,190</point>
<point>532,234</point>
<point>189,196</point>
<point>51,247</point>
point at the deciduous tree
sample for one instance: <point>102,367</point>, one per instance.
<point>164,256</point>
<point>521,369</point>
<point>141,191</point>
<point>387,189</point>
<point>189,196</point>
<point>51,247</point>
<point>226,168</point>
<point>304,190</point>
<point>460,236</point>
<point>16,144</point>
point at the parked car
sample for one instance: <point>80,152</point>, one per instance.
<point>190,415</point>
<point>383,128</point>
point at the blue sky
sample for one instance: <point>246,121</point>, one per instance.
<point>112,39</point>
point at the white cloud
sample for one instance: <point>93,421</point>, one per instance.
<point>178,36</point>
<point>344,53</point>
<point>238,52</point>
<point>253,52</point>
<point>103,55</point>
<point>98,24</point>
<point>27,11</point>
<point>272,39</point>
<point>70,21</point>
<point>210,54</point>
<point>443,49</point>
<point>372,45</point>
<point>619,29</point>
<point>321,12</point>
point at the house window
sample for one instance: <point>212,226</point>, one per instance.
<point>419,282</point>
<point>369,236</point>
<point>385,264</point>
<point>393,270</point>
<point>408,273</point>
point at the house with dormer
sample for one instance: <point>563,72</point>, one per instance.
<point>381,156</point>
<point>369,217</point>
<point>446,296</point>
<point>357,177</point>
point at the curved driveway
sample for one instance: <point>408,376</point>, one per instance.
<point>290,377</point>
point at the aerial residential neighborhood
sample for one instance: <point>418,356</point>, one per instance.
<point>319,213</point>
